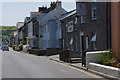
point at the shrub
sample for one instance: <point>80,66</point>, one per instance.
<point>118,65</point>
<point>20,47</point>
<point>17,48</point>
<point>114,60</point>
<point>104,58</point>
<point>107,63</point>
<point>14,46</point>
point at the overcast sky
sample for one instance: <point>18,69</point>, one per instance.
<point>13,12</point>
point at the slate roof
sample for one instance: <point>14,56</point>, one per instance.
<point>68,14</point>
<point>58,11</point>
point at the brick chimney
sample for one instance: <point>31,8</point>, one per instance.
<point>52,6</point>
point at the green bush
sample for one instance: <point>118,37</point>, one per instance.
<point>17,48</point>
<point>118,65</point>
<point>104,58</point>
<point>14,46</point>
<point>20,47</point>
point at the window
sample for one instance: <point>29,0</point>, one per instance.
<point>82,19</point>
<point>93,6</point>
<point>94,42</point>
<point>75,20</point>
<point>87,42</point>
<point>70,26</point>
<point>94,14</point>
<point>71,44</point>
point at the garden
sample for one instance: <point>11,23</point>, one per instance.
<point>108,59</point>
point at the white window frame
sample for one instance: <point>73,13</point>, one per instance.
<point>75,20</point>
<point>70,26</point>
<point>82,19</point>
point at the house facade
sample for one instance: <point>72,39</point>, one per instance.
<point>87,29</point>
<point>48,27</point>
<point>25,31</point>
<point>94,27</point>
<point>19,26</point>
<point>32,31</point>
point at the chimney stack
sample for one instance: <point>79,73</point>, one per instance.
<point>42,9</point>
<point>58,4</point>
<point>52,6</point>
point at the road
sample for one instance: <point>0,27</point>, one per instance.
<point>21,65</point>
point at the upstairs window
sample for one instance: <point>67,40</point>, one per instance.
<point>93,6</point>
<point>69,26</point>
<point>82,19</point>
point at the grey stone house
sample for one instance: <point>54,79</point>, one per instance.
<point>87,30</point>
<point>70,36</point>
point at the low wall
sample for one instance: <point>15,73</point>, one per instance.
<point>91,63</point>
<point>37,52</point>
<point>53,51</point>
<point>105,69</point>
<point>92,57</point>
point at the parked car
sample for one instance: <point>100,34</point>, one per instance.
<point>4,48</point>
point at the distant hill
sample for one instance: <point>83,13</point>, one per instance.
<point>7,31</point>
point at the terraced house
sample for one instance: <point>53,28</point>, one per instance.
<point>88,29</point>
<point>19,26</point>
<point>33,29</point>
<point>48,27</point>
<point>25,30</point>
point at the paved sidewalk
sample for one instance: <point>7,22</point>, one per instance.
<point>56,58</point>
<point>78,65</point>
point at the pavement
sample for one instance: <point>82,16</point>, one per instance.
<point>56,58</point>
<point>79,66</point>
<point>21,65</point>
